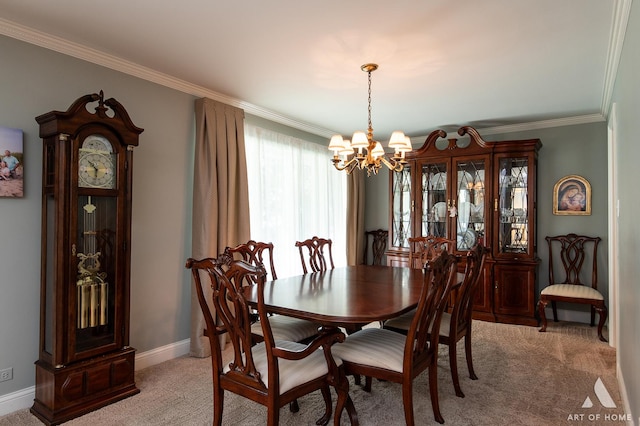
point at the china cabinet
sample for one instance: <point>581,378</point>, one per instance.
<point>473,191</point>
<point>85,361</point>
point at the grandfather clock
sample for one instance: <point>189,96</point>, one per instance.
<point>85,361</point>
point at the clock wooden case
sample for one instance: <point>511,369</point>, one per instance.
<point>85,361</point>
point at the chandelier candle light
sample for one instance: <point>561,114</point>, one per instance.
<point>374,158</point>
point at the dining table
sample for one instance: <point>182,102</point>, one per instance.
<point>348,297</point>
<point>344,296</point>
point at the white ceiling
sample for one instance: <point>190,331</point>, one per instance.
<point>443,63</point>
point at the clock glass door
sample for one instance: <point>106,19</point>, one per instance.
<point>96,262</point>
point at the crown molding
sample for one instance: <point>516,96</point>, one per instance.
<point>534,125</point>
<point>543,124</point>
<point>60,45</point>
<point>620,19</point>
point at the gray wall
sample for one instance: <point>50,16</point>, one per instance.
<point>627,99</point>
<point>34,81</point>
<point>577,149</point>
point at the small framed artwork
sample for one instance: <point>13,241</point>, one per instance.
<point>11,163</point>
<point>572,196</point>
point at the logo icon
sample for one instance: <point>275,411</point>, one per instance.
<point>602,394</point>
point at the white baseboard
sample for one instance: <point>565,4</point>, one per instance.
<point>24,398</point>
<point>18,400</point>
<point>623,394</point>
<point>162,354</point>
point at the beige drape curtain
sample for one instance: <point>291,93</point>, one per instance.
<point>220,194</point>
<point>355,217</point>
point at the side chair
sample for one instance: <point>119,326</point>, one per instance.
<point>318,254</point>
<point>391,356</point>
<point>567,256</point>
<point>272,373</point>
<point>456,323</point>
<point>378,245</point>
<point>282,326</point>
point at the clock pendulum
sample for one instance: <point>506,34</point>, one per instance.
<point>93,290</point>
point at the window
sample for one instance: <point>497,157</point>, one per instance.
<point>294,194</point>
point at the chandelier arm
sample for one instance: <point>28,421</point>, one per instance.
<point>392,164</point>
<point>345,164</point>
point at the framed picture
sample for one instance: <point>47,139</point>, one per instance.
<point>572,196</point>
<point>11,163</point>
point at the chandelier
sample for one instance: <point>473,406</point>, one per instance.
<point>352,152</point>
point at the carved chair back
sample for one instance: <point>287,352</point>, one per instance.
<point>317,252</point>
<point>378,245</point>
<point>254,253</point>
<point>567,256</point>
<point>421,249</point>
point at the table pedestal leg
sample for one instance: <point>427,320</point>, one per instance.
<point>340,383</point>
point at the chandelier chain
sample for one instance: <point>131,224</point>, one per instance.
<point>369,103</point>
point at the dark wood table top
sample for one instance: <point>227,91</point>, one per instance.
<point>342,296</point>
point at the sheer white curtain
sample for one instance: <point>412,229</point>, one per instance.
<point>294,194</point>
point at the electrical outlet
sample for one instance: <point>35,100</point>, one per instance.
<point>6,374</point>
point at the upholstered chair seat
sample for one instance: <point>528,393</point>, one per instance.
<point>287,328</point>
<point>375,347</point>
<point>573,291</point>
<point>402,322</point>
<point>292,373</point>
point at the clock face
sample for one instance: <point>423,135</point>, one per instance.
<point>96,164</point>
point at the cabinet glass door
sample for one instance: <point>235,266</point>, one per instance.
<point>513,216</point>
<point>401,212</point>
<point>470,203</point>
<point>434,202</point>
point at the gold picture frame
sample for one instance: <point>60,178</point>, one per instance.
<point>11,162</point>
<point>572,196</point>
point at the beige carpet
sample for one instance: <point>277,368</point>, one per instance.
<point>525,378</point>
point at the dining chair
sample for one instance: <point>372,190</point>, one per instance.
<point>424,248</point>
<point>567,256</point>
<point>282,326</point>
<point>456,319</point>
<point>421,250</point>
<point>318,251</point>
<point>272,373</point>
<point>378,245</point>
<point>391,356</point>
